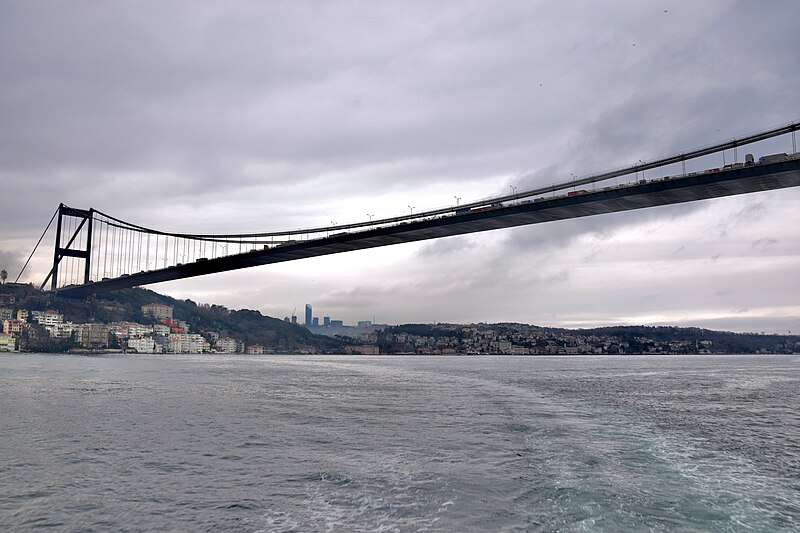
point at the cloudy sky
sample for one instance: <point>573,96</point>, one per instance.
<point>253,116</point>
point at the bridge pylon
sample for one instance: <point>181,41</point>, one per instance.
<point>74,221</point>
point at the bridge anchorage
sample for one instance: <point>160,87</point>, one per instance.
<point>95,252</point>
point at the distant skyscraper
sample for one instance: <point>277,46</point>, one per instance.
<point>315,322</point>
<point>326,321</point>
<point>308,315</point>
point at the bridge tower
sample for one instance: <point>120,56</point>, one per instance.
<point>83,246</point>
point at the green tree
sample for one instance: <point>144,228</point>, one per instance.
<point>3,275</point>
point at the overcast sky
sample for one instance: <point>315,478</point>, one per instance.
<point>253,116</point>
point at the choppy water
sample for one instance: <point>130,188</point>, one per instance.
<point>282,444</point>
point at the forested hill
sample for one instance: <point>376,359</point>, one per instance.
<point>639,337</point>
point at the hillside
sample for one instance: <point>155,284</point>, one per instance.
<point>125,306</point>
<point>252,328</point>
<point>640,337</point>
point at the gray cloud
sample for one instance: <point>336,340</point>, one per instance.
<point>549,236</point>
<point>446,246</point>
<point>745,215</point>
<point>764,243</point>
<point>203,117</point>
<point>12,263</point>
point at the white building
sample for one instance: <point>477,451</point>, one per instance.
<point>47,318</point>
<point>61,331</point>
<point>130,329</point>
<point>186,343</point>
<point>226,345</point>
<point>144,345</point>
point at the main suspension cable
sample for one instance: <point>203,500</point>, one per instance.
<point>37,244</point>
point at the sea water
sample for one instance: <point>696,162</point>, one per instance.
<point>353,443</point>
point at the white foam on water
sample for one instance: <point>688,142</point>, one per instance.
<point>732,485</point>
<point>382,497</point>
<point>278,522</point>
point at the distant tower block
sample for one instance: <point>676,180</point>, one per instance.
<point>308,315</point>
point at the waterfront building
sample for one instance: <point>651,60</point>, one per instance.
<point>92,335</point>
<point>364,350</point>
<point>186,343</point>
<point>8,343</point>
<point>144,345</point>
<point>226,345</point>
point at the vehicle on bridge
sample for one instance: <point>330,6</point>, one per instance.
<point>774,158</point>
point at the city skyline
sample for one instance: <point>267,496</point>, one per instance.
<point>312,321</point>
<point>201,118</point>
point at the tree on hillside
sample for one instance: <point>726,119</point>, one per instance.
<point>3,275</point>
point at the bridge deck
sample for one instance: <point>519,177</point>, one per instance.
<point>608,200</point>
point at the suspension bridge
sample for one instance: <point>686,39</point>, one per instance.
<point>96,252</point>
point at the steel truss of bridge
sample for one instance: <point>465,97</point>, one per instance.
<point>505,212</point>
